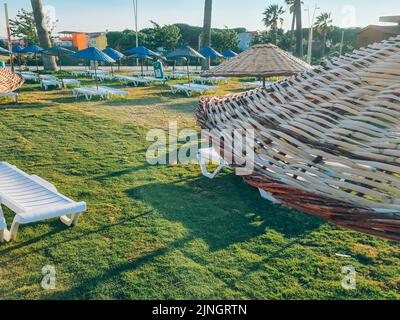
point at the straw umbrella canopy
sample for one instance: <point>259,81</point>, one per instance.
<point>35,50</point>
<point>142,53</point>
<point>185,52</point>
<point>93,54</point>
<point>114,54</point>
<point>262,61</point>
<point>58,52</point>
<point>229,54</point>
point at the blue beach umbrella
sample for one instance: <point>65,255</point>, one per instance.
<point>210,53</point>
<point>187,53</point>
<point>18,51</point>
<point>94,54</point>
<point>33,49</point>
<point>58,52</point>
<point>4,52</point>
<point>114,54</point>
<point>229,54</point>
<point>142,53</point>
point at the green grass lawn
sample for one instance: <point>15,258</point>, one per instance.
<point>164,232</point>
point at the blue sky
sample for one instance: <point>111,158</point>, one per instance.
<point>101,15</point>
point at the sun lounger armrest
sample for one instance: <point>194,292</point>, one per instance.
<point>44,183</point>
<point>49,213</point>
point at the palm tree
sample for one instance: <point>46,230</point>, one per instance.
<point>323,26</point>
<point>49,62</point>
<point>206,39</point>
<point>272,18</point>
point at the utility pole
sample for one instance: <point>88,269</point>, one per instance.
<point>135,12</point>
<point>311,34</point>
<point>9,37</point>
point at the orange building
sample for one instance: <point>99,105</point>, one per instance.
<point>77,40</point>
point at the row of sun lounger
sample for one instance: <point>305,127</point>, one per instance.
<point>102,92</point>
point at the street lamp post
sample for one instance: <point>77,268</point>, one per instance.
<point>311,34</point>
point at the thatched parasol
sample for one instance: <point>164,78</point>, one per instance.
<point>9,81</point>
<point>327,140</point>
<point>262,61</point>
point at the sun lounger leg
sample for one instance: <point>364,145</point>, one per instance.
<point>12,234</point>
<point>71,222</point>
<point>267,196</point>
<point>205,171</point>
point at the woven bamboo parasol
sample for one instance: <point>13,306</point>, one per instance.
<point>9,81</point>
<point>262,61</point>
<point>327,140</point>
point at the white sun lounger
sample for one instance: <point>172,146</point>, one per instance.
<point>33,199</point>
<point>114,92</point>
<point>136,81</point>
<point>89,93</point>
<point>13,95</point>
<point>213,80</point>
<point>30,77</point>
<point>50,83</point>
<point>210,155</point>
<point>189,88</point>
<point>70,82</point>
<point>103,77</point>
<point>153,79</point>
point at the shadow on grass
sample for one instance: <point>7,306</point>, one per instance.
<point>222,212</point>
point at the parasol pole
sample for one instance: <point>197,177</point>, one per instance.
<point>142,66</point>
<point>112,69</point>
<point>95,75</point>
<point>188,72</point>
<point>9,37</point>
<point>59,60</point>
<point>37,63</point>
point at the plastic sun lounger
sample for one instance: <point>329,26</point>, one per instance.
<point>114,92</point>
<point>191,87</point>
<point>152,79</point>
<point>89,93</point>
<point>136,81</point>
<point>70,82</point>
<point>210,155</point>
<point>213,80</point>
<point>103,77</point>
<point>30,77</point>
<point>50,83</point>
<point>33,199</point>
<point>13,95</point>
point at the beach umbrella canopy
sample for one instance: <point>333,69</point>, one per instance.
<point>33,48</point>
<point>185,52</point>
<point>114,54</point>
<point>229,54</point>
<point>142,51</point>
<point>210,53</point>
<point>262,61</point>
<point>94,54</point>
<point>4,52</point>
<point>58,52</point>
<point>17,49</point>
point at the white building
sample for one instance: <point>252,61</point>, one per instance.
<point>245,39</point>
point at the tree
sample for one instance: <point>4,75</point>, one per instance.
<point>41,23</point>
<point>323,26</point>
<point>295,10</point>
<point>206,39</point>
<point>299,28</point>
<point>225,39</point>
<point>23,26</point>
<point>272,19</point>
